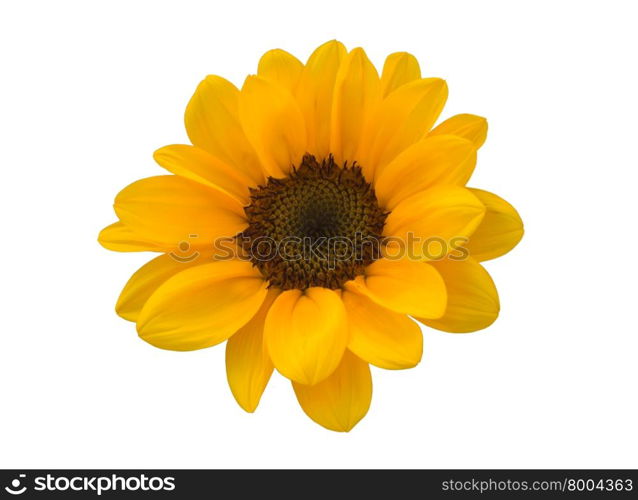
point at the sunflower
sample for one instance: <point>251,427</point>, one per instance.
<point>316,217</point>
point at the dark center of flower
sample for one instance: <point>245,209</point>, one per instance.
<point>321,226</point>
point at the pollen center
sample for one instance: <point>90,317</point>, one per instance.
<point>320,226</point>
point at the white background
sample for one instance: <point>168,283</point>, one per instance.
<point>90,89</point>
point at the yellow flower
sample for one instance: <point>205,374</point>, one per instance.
<point>316,212</point>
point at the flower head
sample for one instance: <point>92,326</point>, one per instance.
<point>316,215</point>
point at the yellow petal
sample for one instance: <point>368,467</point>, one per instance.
<point>315,92</point>
<point>445,159</point>
<point>356,95</point>
<point>120,238</point>
<point>306,333</point>
<point>399,68</point>
<point>170,209</point>
<point>403,118</point>
<point>148,278</point>
<point>470,127</point>
<point>381,337</point>
<point>197,165</point>
<point>248,366</point>
<point>273,123</point>
<point>404,286</point>
<point>500,230</point>
<point>202,306</point>
<point>212,123</point>
<point>432,223</point>
<point>341,400</point>
<point>472,300</point>
<point>280,67</point>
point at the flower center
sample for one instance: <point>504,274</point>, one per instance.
<point>321,226</point>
